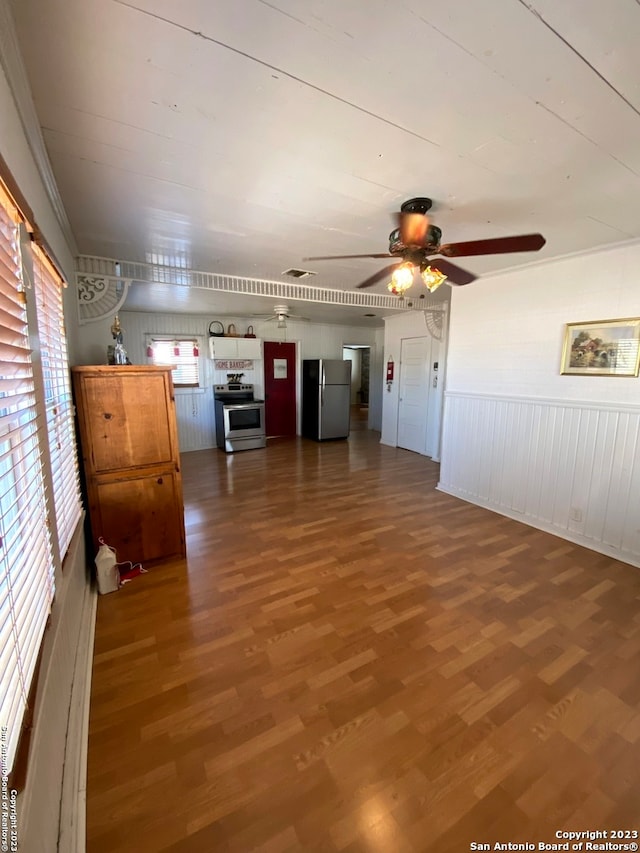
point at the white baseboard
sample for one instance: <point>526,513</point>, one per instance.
<point>561,533</point>
<point>73,805</point>
<point>51,813</point>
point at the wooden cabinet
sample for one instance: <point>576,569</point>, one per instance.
<point>129,443</point>
<point>240,348</point>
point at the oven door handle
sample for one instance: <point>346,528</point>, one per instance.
<point>242,405</point>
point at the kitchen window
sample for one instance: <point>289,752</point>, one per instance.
<point>182,354</point>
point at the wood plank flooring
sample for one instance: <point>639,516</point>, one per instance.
<point>350,660</point>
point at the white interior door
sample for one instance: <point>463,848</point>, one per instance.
<point>413,404</point>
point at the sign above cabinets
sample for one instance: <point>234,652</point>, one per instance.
<point>233,364</point>
<point>236,349</point>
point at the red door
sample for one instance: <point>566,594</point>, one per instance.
<point>280,388</point>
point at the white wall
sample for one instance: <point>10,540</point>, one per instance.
<point>92,340</point>
<point>67,642</point>
<point>195,410</point>
<point>559,452</point>
<point>20,161</point>
<point>507,330</point>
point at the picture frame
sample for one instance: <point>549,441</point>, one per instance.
<point>602,348</point>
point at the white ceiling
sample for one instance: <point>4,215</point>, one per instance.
<point>240,137</point>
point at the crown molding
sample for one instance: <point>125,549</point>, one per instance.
<point>15,72</point>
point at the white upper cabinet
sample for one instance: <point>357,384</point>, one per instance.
<point>235,348</point>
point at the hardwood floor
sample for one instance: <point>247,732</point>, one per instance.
<point>359,417</point>
<point>351,660</point>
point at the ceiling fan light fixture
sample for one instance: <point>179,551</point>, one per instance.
<point>401,279</point>
<point>282,323</point>
<point>432,277</point>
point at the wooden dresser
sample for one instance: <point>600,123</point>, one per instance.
<point>129,445</point>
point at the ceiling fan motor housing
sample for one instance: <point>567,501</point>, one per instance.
<point>397,247</point>
<point>416,205</point>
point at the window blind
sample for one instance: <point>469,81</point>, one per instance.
<point>58,398</point>
<point>26,560</point>
<point>181,354</point>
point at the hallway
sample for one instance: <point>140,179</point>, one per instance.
<point>359,417</point>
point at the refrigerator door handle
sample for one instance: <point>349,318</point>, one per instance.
<point>322,384</point>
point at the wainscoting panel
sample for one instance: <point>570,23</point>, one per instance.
<point>572,468</point>
<point>196,419</point>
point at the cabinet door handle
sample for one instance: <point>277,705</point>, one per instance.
<point>159,481</point>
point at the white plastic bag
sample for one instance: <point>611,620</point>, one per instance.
<point>107,569</point>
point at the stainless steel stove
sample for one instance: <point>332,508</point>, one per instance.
<point>239,417</point>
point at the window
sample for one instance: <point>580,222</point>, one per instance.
<point>58,399</point>
<point>26,557</point>
<point>181,353</point>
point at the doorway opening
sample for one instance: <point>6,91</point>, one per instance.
<point>360,357</point>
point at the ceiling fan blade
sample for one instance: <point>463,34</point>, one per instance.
<point>339,257</point>
<point>385,272</point>
<point>454,273</point>
<point>414,229</point>
<point>495,246</point>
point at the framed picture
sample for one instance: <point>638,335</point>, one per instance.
<point>602,348</point>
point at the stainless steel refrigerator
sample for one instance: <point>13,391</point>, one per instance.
<point>326,398</point>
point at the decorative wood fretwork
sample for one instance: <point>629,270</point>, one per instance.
<point>99,296</point>
<point>434,318</point>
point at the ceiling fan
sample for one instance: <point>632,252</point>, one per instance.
<point>416,240</point>
<point>281,313</point>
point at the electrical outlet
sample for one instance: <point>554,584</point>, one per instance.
<point>575,514</point>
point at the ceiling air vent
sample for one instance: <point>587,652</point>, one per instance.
<point>294,273</point>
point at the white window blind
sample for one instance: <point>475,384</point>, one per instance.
<point>58,399</point>
<point>26,561</point>
<point>182,354</point>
